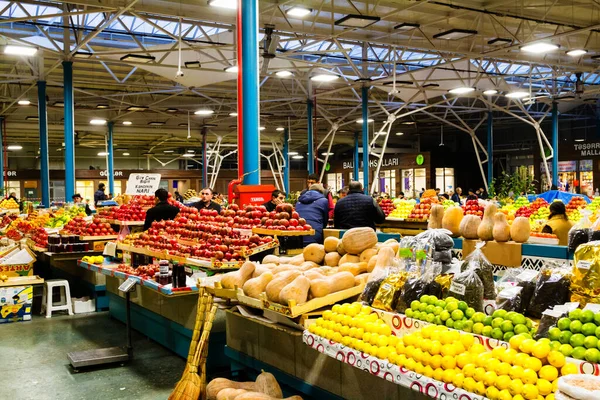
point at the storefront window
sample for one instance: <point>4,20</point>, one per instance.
<point>57,191</point>
<point>444,179</point>
<point>85,188</point>
<point>586,177</point>
<point>408,184</point>
<point>335,182</point>
<point>420,179</point>
<point>387,182</point>
<point>13,186</point>
<point>164,184</point>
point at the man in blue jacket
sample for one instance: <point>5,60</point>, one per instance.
<point>313,206</point>
<point>357,210</point>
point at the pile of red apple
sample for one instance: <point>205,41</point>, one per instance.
<point>40,237</point>
<point>75,226</point>
<point>284,218</point>
<point>143,271</point>
<point>387,206</point>
<point>423,209</point>
<point>78,226</point>
<point>472,207</point>
<point>575,203</point>
<point>143,201</point>
<point>537,203</point>
<point>524,211</point>
<point>7,219</point>
<point>125,212</point>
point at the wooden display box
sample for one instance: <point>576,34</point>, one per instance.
<point>507,254</point>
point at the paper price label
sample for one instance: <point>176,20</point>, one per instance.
<point>527,275</point>
<point>142,184</point>
<point>127,285</point>
<point>458,288</point>
<point>583,264</point>
<point>592,307</point>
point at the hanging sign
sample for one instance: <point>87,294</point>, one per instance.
<point>420,159</point>
<point>142,184</point>
<point>327,167</point>
<point>588,149</point>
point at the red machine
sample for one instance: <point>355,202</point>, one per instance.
<point>243,195</point>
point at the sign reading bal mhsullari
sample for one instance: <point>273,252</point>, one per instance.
<point>588,149</point>
<point>142,184</point>
<point>387,162</point>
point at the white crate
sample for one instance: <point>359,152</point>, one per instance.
<point>83,305</point>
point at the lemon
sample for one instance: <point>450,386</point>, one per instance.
<point>458,380</point>
<point>544,387</point>
<point>448,375</point>
<point>550,396</point>
<point>515,341</point>
<point>469,370</point>
<point>409,351</point>
<point>467,340</point>
<point>463,359</point>
<point>503,369</point>
<point>541,350</point>
<point>518,397</point>
<point>400,360</point>
<point>477,348</point>
<point>400,348</point>
<point>530,392</point>
<point>459,348</point>
<point>489,378</point>
<point>469,384</point>
<point>382,341</point>
<point>448,362</point>
<point>446,338</point>
<point>527,346</point>
<point>503,381</point>
<point>548,372</point>
<point>509,355</point>
<point>504,395</point>
<point>492,364</point>
<point>426,358</point>
<point>497,352</point>
<point>480,388</point>
<point>529,376</point>
<point>419,368</point>
<point>393,340</point>
<point>515,387</point>
<point>556,359</point>
<point>417,355</point>
<point>479,374</point>
<point>516,372</point>
<point>482,359</point>
<point>520,359</point>
<point>533,363</point>
<point>428,371</point>
<point>569,369</point>
<point>438,374</point>
<point>448,350</point>
<point>410,364</point>
<point>383,353</point>
<point>492,393</point>
<point>555,386</point>
<point>436,361</point>
<point>436,347</point>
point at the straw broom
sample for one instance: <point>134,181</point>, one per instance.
<point>204,349</point>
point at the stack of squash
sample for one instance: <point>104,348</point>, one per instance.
<point>494,226</point>
<point>264,388</point>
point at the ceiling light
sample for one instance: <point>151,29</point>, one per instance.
<point>357,21</point>
<point>14,147</point>
<point>156,123</point>
<point>461,90</point>
<point>576,52</point>
<point>298,12</point>
<point>262,128</point>
<point>298,157</point>
<point>171,110</point>
<point>102,106</point>
<point>24,102</point>
<point>292,153</point>
<point>580,140</point>
<point>360,121</point>
<point>490,92</point>
<point>82,54</point>
<point>399,133</point>
<point>517,95</point>
<point>20,50</point>
<point>127,123</point>
<point>540,47</point>
<point>596,57</point>
<point>188,155</point>
<point>125,154</point>
<point>102,154</point>
<point>230,4</point>
<point>398,83</point>
<point>499,41</point>
<point>137,108</point>
<point>408,123</point>
<point>204,111</point>
<point>406,26</point>
<point>264,115</point>
<point>192,64</point>
<point>280,129</point>
<point>59,104</point>
<point>168,151</point>
<point>454,34</point>
<point>233,69</point>
<point>32,118</point>
<point>191,151</point>
<point>327,154</point>
<point>98,121</point>
<point>233,114</point>
<point>324,77</point>
<point>284,74</point>
<point>431,85</point>
<point>381,133</point>
<point>140,58</point>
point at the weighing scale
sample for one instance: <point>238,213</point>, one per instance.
<point>108,355</point>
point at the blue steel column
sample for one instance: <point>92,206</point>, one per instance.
<point>310,161</point>
<point>356,159</point>
<point>250,91</point>
<point>43,122</point>
<point>2,156</point>
<point>286,160</point>
<point>69,129</point>
<point>555,143</point>
<point>110,160</point>
<point>490,148</point>
<point>365,137</point>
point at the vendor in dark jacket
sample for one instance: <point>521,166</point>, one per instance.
<point>162,209</point>
<point>99,195</point>
<point>277,197</point>
<point>313,206</point>
<point>357,210</point>
<point>206,195</point>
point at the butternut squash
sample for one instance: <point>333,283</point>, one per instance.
<point>452,218</point>
<point>255,286</point>
<point>501,231</point>
<point>331,284</point>
<point>297,260</point>
<point>349,258</point>
<point>306,265</point>
<point>283,268</point>
<point>271,259</point>
<point>393,243</point>
<point>315,273</point>
<point>267,384</point>
<point>520,229</point>
<point>330,244</point>
<point>234,279</point>
<point>278,282</point>
<point>469,226</point>
<point>357,240</point>
<point>216,385</point>
<point>328,270</point>
<point>314,252</point>
<point>436,216</point>
<point>229,393</point>
<point>296,291</point>
<point>262,396</point>
<point>485,231</point>
<point>385,258</point>
<point>354,268</point>
<point>259,270</point>
<point>361,279</point>
<point>340,248</point>
<point>332,259</point>
<point>371,263</point>
<point>366,255</point>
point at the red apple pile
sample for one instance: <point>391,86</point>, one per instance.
<point>40,237</point>
<point>143,201</point>
<point>423,209</point>
<point>76,226</point>
<point>143,271</point>
<point>125,212</point>
<point>537,203</point>
<point>472,207</point>
<point>524,211</point>
<point>283,218</point>
<point>98,228</point>
<point>387,206</point>
<point>575,203</point>
<point>7,219</point>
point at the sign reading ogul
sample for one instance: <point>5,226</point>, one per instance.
<point>387,162</point>
<point>588,149</point>
<point>142,184</point>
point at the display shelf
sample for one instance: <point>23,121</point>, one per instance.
<point>247,252</point>
<point>22,280</point>
<point>94,238</point>
<point>541,240</point>
<point>249,301</point>
<point>272,232</point>
<point>218,291</point>
<point>388,371</point>
<point>122,223</point>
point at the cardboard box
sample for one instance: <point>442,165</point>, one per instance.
<point>17,262</point>
<point>15,303</point>
<point>507,254</point>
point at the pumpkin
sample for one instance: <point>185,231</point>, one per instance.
<point>267,384</point>
<point>331,284</point>
<point>330,243</point>
<point>278,282</point>
<point>354,268</point>
<point>349,258</point>
<point>216,385</point>
<point>234,279</point>
<point>485,231</point>
<point>314,252</point>
<point>271,259</point>
<point>372,262</point>
<point>284,267</point>
<point>520,229</point>
<point>340,248</point>
<point>357,240</point>
<point>261,269</point>
<point>436,216</point>
<point>452,218</point>
<point>229,393</point>
<point>332,259</point>
<point>469,226</point>
<point>366,255</point>
<point>255,286</point>
<point>296,290</point>
<point>501,231</point>
<point>306,265</point>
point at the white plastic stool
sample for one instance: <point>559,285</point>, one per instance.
<point>65,297</point>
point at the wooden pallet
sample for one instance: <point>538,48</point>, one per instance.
<point>249,301</point>
<point>271,232</point>
<point>219,291</point>
<point>22,280</point>
<point>94,238</point>
<point>247,252</point>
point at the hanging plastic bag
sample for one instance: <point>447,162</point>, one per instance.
<point>518,277</point>
<point>378,275</point>
<point>580,232</point>
<point>467,286</point>
<point>440,239</point>
<point>552,288</point>
<point>484,269</point>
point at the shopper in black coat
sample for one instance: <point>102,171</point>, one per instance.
<point>162,210</point>
<point>357,210</point>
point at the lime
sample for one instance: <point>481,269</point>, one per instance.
<point>468,326</point>
<point>450,323</point>
<point>587,316</point>
<point>521,328</point>
<point>437,320</point>
<point>487,321</point>
<point>597,318</point>
<point>575,314</point>
<point>458,325</point>
<point>565,337</point>
<point>590,342</point>
<point>478,328</point>
<point>553,333</point>
<point>598,332</point>
<point>566,349</point>
<point>588,329</point>
<point>414,305</point>
<point>563,324</point>
<point>497,333</point>
<point>437,310</point>
<point>478,317</point>
<point>507,336</point>
<point>470,312</point>
<point>416,315</point>
<point>528,323</point>
<point>497,322</point>
<point>424,299</point>
<point>577,340</point>
<point>430,309</point>
<point>518,319</point>
<point>555,345</point>
<point>451,298</point>
<point>451,306</point>
<point>409,313</point>
<point>462,305</point>
<point>457,315</point>
<point>423,307</point>
<point>430,318</point>
<point>440,303</point>
<point>506,326</point>
<point>487,331</point>
<point>575,326</point>
<point>578,353</point>
<point>499,314</point>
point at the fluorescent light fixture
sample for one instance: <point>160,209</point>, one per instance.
<point>461,90</point>
<point>103,154</point>
<point>140,58</point>
<point>280,129</point>
<point>399,133</point>
<point>576,52</point>
<point>191,151</point>
<point>540,47</point>
<point>490,92</point>
<point>499,41</point>
<point>455,34</point>
<point>265,115</point>
<point>168,151</point>
<point>204,111</point>
<point>125,154</point>
<point>24,102</point>
<point>98,121</point>
<point>59,104</point>
<point>408,123</point>
<point>517,95</point>
<point>233,69</point>
<point>137,108</point>
<point>577,140</point>
<point>357,21</point>
<point>324,77</point>
<point>171,110</point>
<point>262,128</point>
<point>360,121</point>
<point>156,123</point>
<point>284,74</point>
<point>82,54</point>
<point>233,114</point>
<point>596,57</point>
<point>127,123</point>
<point>188,155</point>
<point>406,26</point>
<point>32,118</point>
<point>20,50</point>
<point>298,12</point>
<point>431,85</point>
<point>398,83</point>
<point>381,133</point>
<point>292,153</point>
<point>193,64</point>
<point>230,4</point>
<point>14,147</point>
<point>327,154</point>
<point>298,157</point>
<point>102,106</point>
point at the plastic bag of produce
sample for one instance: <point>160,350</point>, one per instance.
<point>467,286</point>
<point>417,286</point>
<point>509,299</point>
<point>389,291</point>
<point>552,288</point>
<point>484,269</point>
<point>585,283</point>
<point>580,232</point>
<point>440,239</point>
<point>381,271</point>
<point>519,277</point>
<point>580,387</point>
<point>444,256</point>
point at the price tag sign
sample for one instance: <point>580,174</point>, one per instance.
<point>142,184</point>
<point>128,285</point>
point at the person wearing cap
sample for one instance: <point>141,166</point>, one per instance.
<point>78,200</point>
<point>99,195</point>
